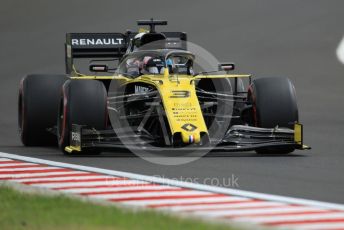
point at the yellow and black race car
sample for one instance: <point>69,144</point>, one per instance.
<point>154,98</point>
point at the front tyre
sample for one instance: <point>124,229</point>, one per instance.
<point>83,102</point>
<point>273,104</point>
<point>37,108</point>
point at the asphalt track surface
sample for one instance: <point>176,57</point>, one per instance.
<point>296,39</point>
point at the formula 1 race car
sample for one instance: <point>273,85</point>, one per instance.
<point>154,99</point>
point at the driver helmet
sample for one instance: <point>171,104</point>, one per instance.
<point>175,66</point>
<point>133,66</point>
<point>153,65</point>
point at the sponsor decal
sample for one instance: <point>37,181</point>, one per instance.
<point>141,89</point>
<point>96,41</point>
<point>185,104</point>
<point>76,137</point>
<point>189,127</point>
<point>180,94</point>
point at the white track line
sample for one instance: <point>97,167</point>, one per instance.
<point>316,226</point>
<point>75,178</point>
<point>5,159</point>
<point>29,175</point>
<point>95,183</point>
<point>340,51</point>
<point>149,194</point>
<point>118,189</point>
<point>259,211</point>
<point>300,217</point>
<point>180,183</point>
<point>183,201</point>
<point>253,204</point>
<point>16,164</point>
<point>27,169</point>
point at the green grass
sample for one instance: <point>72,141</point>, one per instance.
<point>20,210</point>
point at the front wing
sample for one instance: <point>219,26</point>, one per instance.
<point>237,138</point>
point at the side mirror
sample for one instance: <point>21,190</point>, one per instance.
<point>99,68</point>
<point>226,67</point>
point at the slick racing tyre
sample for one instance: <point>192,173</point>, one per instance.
<point>37,108</point>
<point>83,102</point>
<point>273,104</point>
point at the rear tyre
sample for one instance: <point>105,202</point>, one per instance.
<point>37,108</point>
<point>83,102</point>
<point>274,104</point>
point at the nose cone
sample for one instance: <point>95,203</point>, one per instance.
<point>182,109</point>
<point>190,134</point>
<point>191,138</point>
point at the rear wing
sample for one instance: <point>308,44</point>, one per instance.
<point>93,45</point>
<point>109,45</point>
